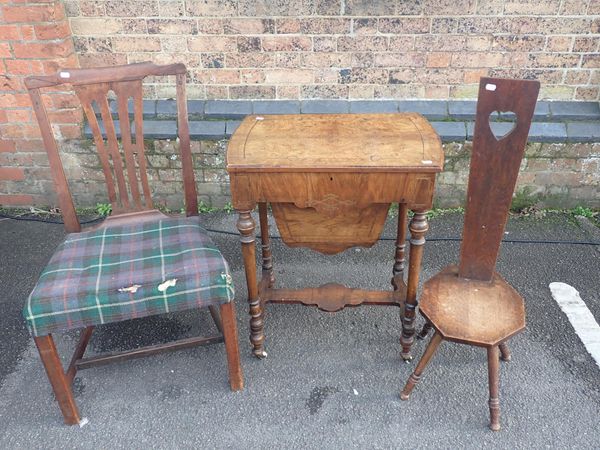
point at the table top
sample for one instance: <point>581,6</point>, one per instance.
<point>397,142</point>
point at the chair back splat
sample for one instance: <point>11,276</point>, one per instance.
<point>495,163</point>
<point>123,164</point>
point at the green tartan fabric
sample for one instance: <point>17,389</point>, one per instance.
<point>129,271</point>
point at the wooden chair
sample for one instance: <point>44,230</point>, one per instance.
<point>471,303</point>
<point>137,263</point>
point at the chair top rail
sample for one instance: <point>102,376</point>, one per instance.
<point>127,72</point>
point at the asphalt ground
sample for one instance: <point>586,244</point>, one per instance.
<point>330,380</point>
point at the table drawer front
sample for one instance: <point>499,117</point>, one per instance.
<point>324,190</point>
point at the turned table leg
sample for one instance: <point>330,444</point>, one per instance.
<point>399,259</point>
<point>246,227</point>
<point>418,227</point>
<point>267,257</point>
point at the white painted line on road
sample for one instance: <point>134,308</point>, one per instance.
<point>579,315</point>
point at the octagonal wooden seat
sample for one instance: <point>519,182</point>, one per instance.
<point>462,309</point>
<point>470,303</point>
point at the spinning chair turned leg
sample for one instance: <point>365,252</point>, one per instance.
<point>236,378</point>
<point>493,375</point>
<point>504,352</point>
<point>424,331</point>
<point>436,339</point>
<point>58,379</point>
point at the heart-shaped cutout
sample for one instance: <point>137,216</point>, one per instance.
<point>501,130</point>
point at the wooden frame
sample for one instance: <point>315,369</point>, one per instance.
<point>129,194</point>
<point>330,194</point>
<point>471,303</point>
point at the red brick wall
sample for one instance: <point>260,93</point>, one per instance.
<point>35,38</point>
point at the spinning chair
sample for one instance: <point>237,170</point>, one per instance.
<point>471,303</point>
<point>138,262</point>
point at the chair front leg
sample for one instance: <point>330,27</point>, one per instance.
<point>436,339</point>
<point>58,380</point>
<point>236,378</point>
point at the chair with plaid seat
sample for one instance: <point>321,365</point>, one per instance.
<point>138,262</point>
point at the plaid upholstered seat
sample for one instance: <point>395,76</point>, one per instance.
<point>129,271</point>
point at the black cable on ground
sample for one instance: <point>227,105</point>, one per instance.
<point>383,238</point>
<point>41,219</point>
<point>444,239</point>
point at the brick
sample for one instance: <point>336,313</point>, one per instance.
<point>159,129</point>
<point>33,13</point>
<point>575,110</point>
<point>212,8</point>
<point>432,110</point>
<point>585,44</point>
<point>103,26</point>
<point>8,100</point>
<point>228,109</point>
<point>248,26</point>
<point>370,8</point>
<point>373,106</point>
<point>136,44</point>
<point>166,108</point>
<point>591,61</point>
<point>450,131</point>
<point>438,59</point>
<point>212,44</point>
<point>325,26</point>
<point>286,43</point>
<point>531,7</point>
<point>448,7</point>
<point>16,199</point>
<point>12,173</point>
<point>324,106</point>
<point>362,43</point>
<point>170,8</point>
<point>270,8</point>
<point>288,76</point>
<point>252,92</point>
<point>404,25</point>
<point>364,75</point>
<point>574,7</point>
<point>207,129</point>
<point>7,146</point>
<point>440,43</point>
<point>18,115</point>
<point>323,91</point>
<point>531,43</point>
<point>577,76</point>
<point>5,50</point>
<point>407,59</point>
<point>10,32</point>
<point>476,60</point>
<point>287,25</point>
<point>172,26</point>
<point>587,93</point>
<point>139,8</point>
<point>364,26</point>
<point>276,107</point>
<point>58,30</point>
<point>559,44</point>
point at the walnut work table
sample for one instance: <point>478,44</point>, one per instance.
<point>330,180</point>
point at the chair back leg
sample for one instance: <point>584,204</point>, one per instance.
<point>230,335</point>
<point>58,379</point>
